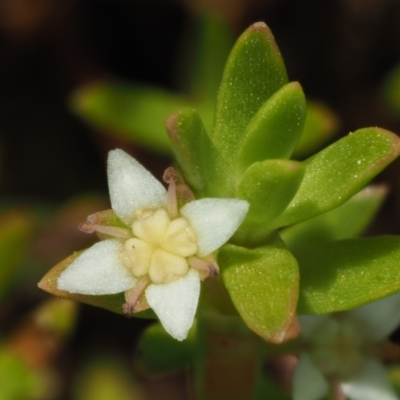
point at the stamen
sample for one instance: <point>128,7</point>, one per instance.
<point>210,267</point>
<point>89,227</point>
<point>171,176</point>
<point>132,296</point>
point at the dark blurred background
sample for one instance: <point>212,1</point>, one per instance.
<point>341,51</point>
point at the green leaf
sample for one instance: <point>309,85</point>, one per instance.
<point>193,149</point>
<point>134,113</point>
<point>345,222</point>
<point>268,186</point>
<point>254,71</point>
<point>158,352</point>
<point>338,172</point>
<point>321,124</point>
<point>345,274</point>
<point>263,285</point>
<point>275,129</point>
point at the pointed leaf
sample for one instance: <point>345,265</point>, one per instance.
<point>132,112</point>
<point>345,274</point>
<point>275,129</point>
<point>132,187</point>
<point>254,71</point>
<point>263,285</point>
<point>192,148</point>
<point>268,186</point>
<point>338,172</point>
<point>345,222</point>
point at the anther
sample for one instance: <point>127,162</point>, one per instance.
<point>210,268</point>
<point>89,227</point>
<point>171,176</point>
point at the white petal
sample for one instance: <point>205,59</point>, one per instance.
<point>308,381</point>
<point>214,221</point>
<point>371,383</point>
<point>309,323</point>
<point>175,303</point>
<point>98,270</point>
<point>380,317</point>
<point>132,187</point>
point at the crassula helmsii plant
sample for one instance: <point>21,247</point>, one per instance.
<point>274,237</point>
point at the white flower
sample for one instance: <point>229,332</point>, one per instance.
<point>338,353</point>
<point>163,254</point>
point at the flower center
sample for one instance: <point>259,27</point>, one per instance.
<point>337,348</point>
<point>160,246</point>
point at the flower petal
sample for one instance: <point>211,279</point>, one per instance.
<point>132,187</point>
<point>175,303</point>
<point>381,317</point>
<point>371,383</point>
<point>308,381</point>
<point>214,221</point>
<point>309,323</point>
<point>98,270</point>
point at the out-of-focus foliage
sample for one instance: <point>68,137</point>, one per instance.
<point>106,378</point>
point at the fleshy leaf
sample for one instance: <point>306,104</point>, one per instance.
<point>345,274</point>
<point>254,71</point>
<point>214,221</point>
<point>132,112</point>
<point>268,186</point>
<point>338,172</point>
<point>132,187</point>
<point>275,129</point>
<point>345,222</point>
<point>321,124</point>
<point>263,285</point>
<point>192,148</point>
<point>175,303</point>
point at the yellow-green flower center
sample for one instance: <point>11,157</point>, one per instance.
<point>160,246</point>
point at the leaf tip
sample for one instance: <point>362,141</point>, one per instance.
<point>171,125</point>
